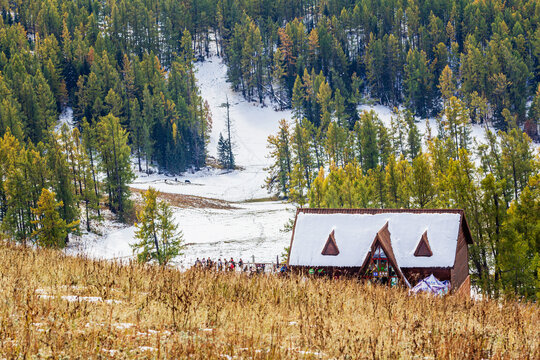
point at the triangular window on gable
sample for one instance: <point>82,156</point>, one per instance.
<point>380,265</point>
<point>330,248</point>
<point>423,248</point>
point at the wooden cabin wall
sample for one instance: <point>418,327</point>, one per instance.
<point>461,264</point>
<point>416,274</point>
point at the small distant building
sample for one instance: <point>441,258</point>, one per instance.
<point>391,246</point>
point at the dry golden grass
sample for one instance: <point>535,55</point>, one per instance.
<point>185,201</point>
<point>163,313</point>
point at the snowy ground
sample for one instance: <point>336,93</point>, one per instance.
<point>247,231</point>
<point>478,132</point>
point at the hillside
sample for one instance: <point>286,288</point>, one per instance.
<point>103,100</point>
<point>62,307</point>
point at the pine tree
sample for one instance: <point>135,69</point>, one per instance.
<point>89,141</point>
<point>84,177</point>
<point>158,235</point>
<point>228,144</point>
<point>62,179</point>
<point>421,183</point>
<point>298,98</point>
<point>280,151</point>
<point>115,162</point>
<point>278,78</point>
<point>51,229</point>
<point>418,82</point>
<point>447,84</point>
<point>336,137</point>
<point>457,125</point>
<point>222,150</point>
<point>368,139</point>
<point>398,125</point>
<point>297,188</point>
<point>414,146</point>
<point>302,140</point>
<point>517,158</point>
<point>519,255</point>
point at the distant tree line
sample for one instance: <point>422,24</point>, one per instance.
<point>391,51</point>
<point>55,54</point>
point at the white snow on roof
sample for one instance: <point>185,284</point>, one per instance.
<point>354,234</point>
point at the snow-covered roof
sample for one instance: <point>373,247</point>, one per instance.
<point>354,232</point>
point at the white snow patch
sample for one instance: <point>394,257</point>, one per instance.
<point>385,114</point>
<point>123,326</point>
<point>147,348</point>
<point>252,123</point>
<point>66,117</point>
<point>75,298</point>
<point>237,185</point>
<point>354,234</point>
<point>110,351</point>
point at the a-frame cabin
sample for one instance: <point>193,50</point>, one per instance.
<point>393,246</point>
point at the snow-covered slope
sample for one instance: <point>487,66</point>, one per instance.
<point>252,124</point>
<point>250,230</point>
<point>478,132</point>
<point>246,231</point>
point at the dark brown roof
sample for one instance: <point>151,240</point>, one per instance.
<point>423,248</point>
<point>331,248</point>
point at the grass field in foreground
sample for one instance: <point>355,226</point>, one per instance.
<point>55,306</point>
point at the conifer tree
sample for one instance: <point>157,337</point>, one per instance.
<point>89,141</point>
<point>301,143</point>
<point>227,144</point>
<point>368,139</point>
<point>517,158</point>
<point>51,230</point>
<point>115,162</point>
<point>222,150</point>
<point>158,235</point>
<point>418,82</point>
<point>519,254</point>
<point>280,151</point>
<point>421,182</point>
<point>62,180</point>
<point>414,146</point>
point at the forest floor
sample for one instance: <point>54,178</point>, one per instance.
<point>58,306</point>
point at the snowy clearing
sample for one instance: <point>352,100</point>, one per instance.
<point>251,229</point>
<point>252,124</point>
<point>478,132</point>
